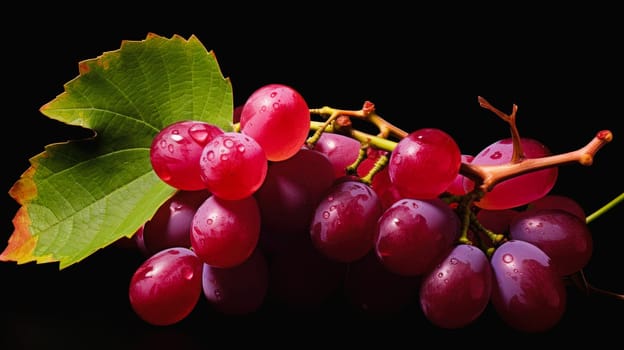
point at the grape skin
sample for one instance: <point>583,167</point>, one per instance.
<point>562,235</point>
<point>272,111</point>
<point>424,164</point>
<point>521,189</point>
<point>167,286</point>
<point>343,225</point>
<point>457,291</point>
<point>224,233</point>
<point>413,233</point>
<point>233,166</point>
<point>528,293</point>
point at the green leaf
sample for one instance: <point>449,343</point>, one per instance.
<point>80,196</point>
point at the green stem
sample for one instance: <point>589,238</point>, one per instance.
<point>605,208</point>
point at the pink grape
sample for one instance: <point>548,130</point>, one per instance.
<point>424,163</point>
<point>224,233</point>
<point>528,293</point>
<point>175,153</point>
<point>341,150</point>
<point>344,222</point>
<point>563,236</point>
<point>233,166</point>
<point>237,290</point>
<point>521,189</point>
<point>413,233</point>
<point>278,118</point>
<point>171,224</point>
<point>167,286</point>
<point>457,291</point>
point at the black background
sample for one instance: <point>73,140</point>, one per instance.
<point>421,66</point>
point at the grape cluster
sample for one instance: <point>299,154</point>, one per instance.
<point>268,210</point>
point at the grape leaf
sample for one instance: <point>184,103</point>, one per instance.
<point>79,196</point>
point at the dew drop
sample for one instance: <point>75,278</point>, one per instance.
<point>210,156</point>
<point>240,148</point>
<point>175,132</point>
<point>170,148</point>
<point>228,143</point>
<point>224,157</point>
<point>507,258</point>
<point>199,133</point>
<point>209,221</point>
<point>453,261</point>
<point>330,198</point>
<point>263,109</point>
<point>276,105</point>
<point>333,207</point>
<point>496,155</point>
<point>163,143</point>
<point>326,215</point>
<point>218,294</point>
<point>273,94</point>
<point>440,275</point>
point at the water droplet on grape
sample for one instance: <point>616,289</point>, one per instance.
<point>229,143</point>
<point>276,105</point>
<point>199,133</point>
<point>333,207</point>
<point>496,155</point>
<point>209,221</point>
<point>218,294</point>
<point>326,215</point>
<point>453,261</point>
<point>170,148</point>
<point>225,157</point>
<point>163,144</point>
<point>240,148</point>
<point>210,156</point>
<point>330,198</point>
<point>508,258</point>
<point>263,109</point>
<point>440,275</point>
<point>273,94</point>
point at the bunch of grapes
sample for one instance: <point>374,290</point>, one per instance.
<point>272,209</point>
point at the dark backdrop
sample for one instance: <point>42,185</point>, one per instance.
<point>421,67</point>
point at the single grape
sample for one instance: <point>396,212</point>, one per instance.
<point>412,234</point>
<point>278,118</point>
<point>563,236</point>
<point>344,222</point>
<point>289,196</point>
<point>175,153</point>
<point>167,286</point>
<point>224,233</point>
<point>233,166</point>
<point>457,291</point>
<point>341,151</point>
<point>171,224</point>
<point>424,164</point>
<point>237,290</point>
<point>519,190</point>
<point>528,293</point>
